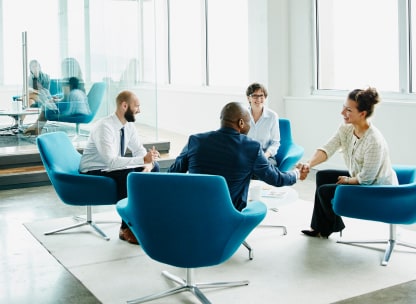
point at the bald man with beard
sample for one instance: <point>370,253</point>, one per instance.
<point>104,153</point>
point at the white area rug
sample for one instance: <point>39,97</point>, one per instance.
<point>285,269</point>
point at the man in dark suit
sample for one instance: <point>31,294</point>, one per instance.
<point>230,153</point>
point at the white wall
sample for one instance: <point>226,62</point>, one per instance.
<point>189,112</point>
<point>315,118</point>
<point>290,70</point>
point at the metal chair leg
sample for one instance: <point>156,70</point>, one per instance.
<point>188,285</point>
<point>275,226</point>
<point>250,250</point>
<point>83,222</point>
<point>390,244</point>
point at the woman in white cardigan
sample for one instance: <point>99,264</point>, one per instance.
<point>366,157</point>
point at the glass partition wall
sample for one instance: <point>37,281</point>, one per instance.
<point>105,38</point>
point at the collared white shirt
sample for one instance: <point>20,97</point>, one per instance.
<point>266,130</point>
<point>102,151</point>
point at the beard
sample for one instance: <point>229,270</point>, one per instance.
<point>129,115</point>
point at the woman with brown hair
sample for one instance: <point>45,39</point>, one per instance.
<point>366,157</point>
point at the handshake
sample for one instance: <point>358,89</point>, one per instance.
<point>304,169</point>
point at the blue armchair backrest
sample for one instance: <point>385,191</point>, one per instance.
<point>285,137</point>
<point>96,96</point>
<point>289,153</point>
<point>57,153</point>
<point>55,87</point>
<point>186,220</point>
<point>405,174</point>
<point>61,161</point>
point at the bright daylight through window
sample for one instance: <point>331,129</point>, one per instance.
<point>358,44</point>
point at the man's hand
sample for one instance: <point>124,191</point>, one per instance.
<point>304,169</point>
<point>147,168</point>
<point>151,156</point>
<point>155,153</point>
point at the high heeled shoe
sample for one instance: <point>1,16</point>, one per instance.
<point>312,233</point>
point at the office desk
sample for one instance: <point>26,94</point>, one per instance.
<point>18,118</point>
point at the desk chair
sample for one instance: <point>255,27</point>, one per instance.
<point>381,203</point>
<point>61,161</point>
<point>186,221</point>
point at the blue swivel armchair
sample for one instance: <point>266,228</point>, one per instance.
<point>381,203</point>
<point>95,98</point>
<point>187,221</point>
<point>289,152</point>
<point>61,161</point>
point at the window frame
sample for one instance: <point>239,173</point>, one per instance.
<point>406,88</point>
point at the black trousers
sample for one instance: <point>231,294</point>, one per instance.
<point>324,218</point>
<point>120,177</point>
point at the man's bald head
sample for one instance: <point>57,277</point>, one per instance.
<point>128,105</point>
<point>235,115</point>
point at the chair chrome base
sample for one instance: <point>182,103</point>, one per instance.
<point>250,250</point>
<point>84,222</point>
<point>276,226</point>
<point>247,245</point>
<point>391,242</point>
<point>188,285</point>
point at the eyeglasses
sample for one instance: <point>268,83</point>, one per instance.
<point>254,96</point>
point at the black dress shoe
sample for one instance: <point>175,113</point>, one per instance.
<point>312,233</point>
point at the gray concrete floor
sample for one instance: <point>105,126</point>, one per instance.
<point>29,274</point>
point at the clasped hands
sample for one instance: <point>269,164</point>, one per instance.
<point>304,169</point>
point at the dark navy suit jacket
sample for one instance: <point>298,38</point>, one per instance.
<point>232,155</point>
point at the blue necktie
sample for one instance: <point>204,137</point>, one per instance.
<point>122,141</point>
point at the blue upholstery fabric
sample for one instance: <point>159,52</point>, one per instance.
<point>61,161</point>
<point>289,153</point>
<point>381,203</point>
<point>55,87</point>
<point>186,220</point>
<point>95,98</point>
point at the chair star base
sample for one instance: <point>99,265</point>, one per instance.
<point>391,242</point>
<point>276,226</point>
<point>247,245</point>
<point>250,250</point>
<point>188,285</point>
<point>84,222</point>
